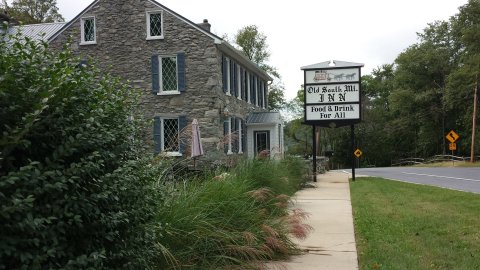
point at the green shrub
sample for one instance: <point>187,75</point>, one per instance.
<point>74,193</point>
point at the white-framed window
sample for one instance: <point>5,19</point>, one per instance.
<point>88,30</point>
<point>170,139</point>
<point>168,74</point>
<point>229,77</point>
<point>154,24</point>
<point>227,128</point>
<point>167,133</point>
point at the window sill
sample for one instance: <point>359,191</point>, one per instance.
<point>154,37</point>
<point>88,43</point>
<point>172,154</point>
<point>168,93</point>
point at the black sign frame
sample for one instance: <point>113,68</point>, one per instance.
<point>332,123</point>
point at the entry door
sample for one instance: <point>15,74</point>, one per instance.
<point>262,141</point>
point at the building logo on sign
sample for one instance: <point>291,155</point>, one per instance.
<point>321,75</point>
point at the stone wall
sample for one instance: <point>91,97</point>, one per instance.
<point>122,50</point>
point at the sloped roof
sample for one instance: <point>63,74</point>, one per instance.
<point>332,64</point>
<point>42,31</point>
<point>264,118</point>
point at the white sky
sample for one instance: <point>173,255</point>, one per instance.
<point>306,32</point>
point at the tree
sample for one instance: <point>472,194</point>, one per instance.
<point>254,44</point>
<point>276,98</point>
<point>34,11</point>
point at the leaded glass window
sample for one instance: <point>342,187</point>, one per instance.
<point>154,25</point>
<point>88,30</point>
<point>170,135</point>
<point>169,74</point>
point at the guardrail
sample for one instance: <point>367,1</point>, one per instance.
<point>436,158</point>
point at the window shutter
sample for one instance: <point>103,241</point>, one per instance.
<point>254,92</point>
<point>157,134</point>
<point>181,72</point>
<point>260,88</point>
<point>244,136</point>
<point>231,76</point>
<point>233,128</point>
<point>235,80</point>
<point>155,75</point>
<point>224,74</point>
<point>252,88</point>
<point>182,123</point>
<point>265,90</point>
<point>225,136</point>
<point>242,83</point>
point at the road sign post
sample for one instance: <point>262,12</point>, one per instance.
<point>452,137</point>
<point>332,97</point>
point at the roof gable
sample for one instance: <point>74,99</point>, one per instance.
<point>173,13</point>
<point>332,64</point>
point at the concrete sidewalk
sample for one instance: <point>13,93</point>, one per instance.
<point>331,244</point>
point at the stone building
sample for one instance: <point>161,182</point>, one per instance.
<point>184,72</point>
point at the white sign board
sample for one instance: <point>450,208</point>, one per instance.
<point>332,76</point>
<point>332,93</point>
<point>332,112</point>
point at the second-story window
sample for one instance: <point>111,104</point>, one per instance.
<point>168,74</point>
<point>88,30</point>
<point>154,25</point>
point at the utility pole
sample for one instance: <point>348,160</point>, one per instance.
<point>474,124</point>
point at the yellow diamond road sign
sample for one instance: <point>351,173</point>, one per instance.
<point>357,153</point>
<point>452,136</point>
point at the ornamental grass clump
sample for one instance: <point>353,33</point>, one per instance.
<point>232,222</point>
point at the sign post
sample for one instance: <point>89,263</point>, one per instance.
<point>332,97</point>
<point>452,137</point>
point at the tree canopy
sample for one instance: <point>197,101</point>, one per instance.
<point>410,105</point>
<point>253,43</point>
<point>33,11</point>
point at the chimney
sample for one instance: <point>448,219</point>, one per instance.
<point>205,25</point>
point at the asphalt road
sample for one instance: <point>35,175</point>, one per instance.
<point>464,179</point>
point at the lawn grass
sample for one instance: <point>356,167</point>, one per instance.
<point>407,226</point>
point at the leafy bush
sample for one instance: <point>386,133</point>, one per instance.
<point>74,193</point>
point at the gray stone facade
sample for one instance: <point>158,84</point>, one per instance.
<point>122,49</point>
